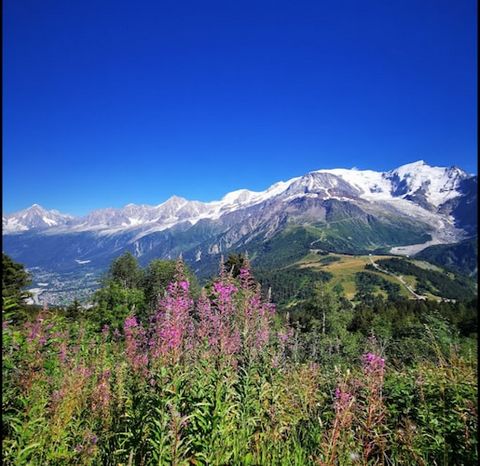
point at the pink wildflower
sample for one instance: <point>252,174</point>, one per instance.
<point>84,372</point>
<point>57,396</point>
<point>341,397</point>
<point>173,326</point>
<point>130,322</point>
<point>224,290</point>
<point>343,405</point>
<point>285,335</point>
<point>135,344</point>
<point>105,331</point>
<point>62,355</point>
<point>101,394</point>
<point>256,321</point>
<point>373,364</point>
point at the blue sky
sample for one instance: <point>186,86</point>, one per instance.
<point>110,102</point>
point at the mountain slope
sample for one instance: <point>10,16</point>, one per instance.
<point>461,257</point>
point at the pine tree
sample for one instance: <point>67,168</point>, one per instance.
<point>14,280</point>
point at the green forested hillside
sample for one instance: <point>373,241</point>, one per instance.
<point>342,235</point>
<point>432,281</point>
<point>461,257</point>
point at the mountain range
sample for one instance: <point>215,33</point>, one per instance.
<point>403,211</point>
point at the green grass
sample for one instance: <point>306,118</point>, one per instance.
<point>426,265</point>
<point>344,267</point>
<point>437,283</point>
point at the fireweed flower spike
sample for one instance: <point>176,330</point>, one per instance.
<point>373,364</point>
<point>209,323</point>
<point>101,394</point>
<point>226,332</point>
<point>173,326</point>
<point>344,402</point>
<point>257,315</point>
<point>135,345</point>
<point>374,370</point>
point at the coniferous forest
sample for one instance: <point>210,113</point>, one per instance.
<point>161,369</point>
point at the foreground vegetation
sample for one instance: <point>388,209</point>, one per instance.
<point>161,372</point>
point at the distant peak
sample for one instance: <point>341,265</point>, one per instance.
<point>36,207</point>
<point>411,168</point>
<point>235,195</point>
<point>455,168</point>
<point>173,200</point>
<point>418,163</point>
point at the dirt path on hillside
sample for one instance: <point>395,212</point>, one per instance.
<point>398,277</point>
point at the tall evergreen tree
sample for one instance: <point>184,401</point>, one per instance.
<point>126,271</point>
<point>157,276</point>
<point>14,280</point>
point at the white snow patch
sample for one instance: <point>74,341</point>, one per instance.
<point>440,183</point>
<point>371,184</point>
<point>49,221</point>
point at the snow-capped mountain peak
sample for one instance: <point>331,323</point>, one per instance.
<point>436,185</point>
<point>240,196</point>
<point>410,167</point>
<point>33,217</point>
<point>370,184</point>
<point>173,202</point>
